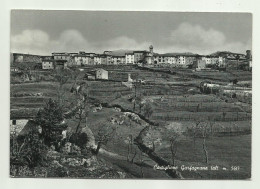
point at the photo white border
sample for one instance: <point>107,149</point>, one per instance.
<point>130,5</point>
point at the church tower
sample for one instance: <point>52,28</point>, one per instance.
<point>151,49</point>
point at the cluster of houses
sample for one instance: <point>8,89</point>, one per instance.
<point>147,57</point>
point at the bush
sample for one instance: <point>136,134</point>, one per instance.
<point>28,150</point>
<point>79,139</point>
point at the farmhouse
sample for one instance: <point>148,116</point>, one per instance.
<point>101,74</point>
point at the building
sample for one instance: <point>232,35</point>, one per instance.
<point>61,64</point>
<point>48,64</point>
<point>139,56</point>
<point>103,59</point>
<point>97,59</point>
<point>25,58</point>
<point>61,56</point>
<point>221,62</point>
<point>81,59</point>
<point>207,59</point>
<point>108,59</point>
<point>129,58</point>
<point>118,59</point>
<point>181,60</point>
<point>101,74</point>
<point>201,64</point>
<point>149,56</point>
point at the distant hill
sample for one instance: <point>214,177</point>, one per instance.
<point>219,53</point>
<point>120,52</point>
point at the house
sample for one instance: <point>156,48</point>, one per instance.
<point>201,64</point>
<point>61,56</point>
<point>97,59</point>
<point>81,59</point>
<point>207,59</point>
<point>118,59</point>
<point>181,60</point>
<point>139,56</point>
<point>101,74</point>
<point>129,58</point>
<point>61,64</point>
<point>48,64</point>
<point>103,59</point>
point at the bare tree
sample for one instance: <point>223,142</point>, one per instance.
<point>195,129</point>
<point>173,146</point>
<point>173,134</point>
<point>152,155</point>
<point>104,136</point>
<point>129,146</point>
<point>204,131</point>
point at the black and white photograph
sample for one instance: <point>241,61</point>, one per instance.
<point>149,95</point>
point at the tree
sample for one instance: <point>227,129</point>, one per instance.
<point>62,76</point>
<point>195,129</point>
<point>82,112</point>
<point>140,103</point>
<point>139,141</point>
<point>204,131</point>
<point>148,111</point>
<point>173,134</point>
<point>50,118</point>
<point>104,135</point>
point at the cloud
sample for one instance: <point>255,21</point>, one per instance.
<point>194,38</point>
<point>38,42</point>
<point>124,42</point>
<point>30,40</point>
<point>185,38</point>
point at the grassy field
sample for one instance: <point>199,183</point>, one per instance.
<point>175,100</point>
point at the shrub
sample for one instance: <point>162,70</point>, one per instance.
<point>79,139</point>
<point>49,119</point>
<point>28,150</point>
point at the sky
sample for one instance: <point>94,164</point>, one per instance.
<point>45,31</point>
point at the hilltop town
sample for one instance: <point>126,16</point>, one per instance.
<point>143,57</point>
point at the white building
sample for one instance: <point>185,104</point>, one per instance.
<point>81,59</point>
<point>129,58</point>
<point>97,59</point>
<point>101,74</point>
<point>181,60</point>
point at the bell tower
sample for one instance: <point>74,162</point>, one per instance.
<point>151,49</point>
